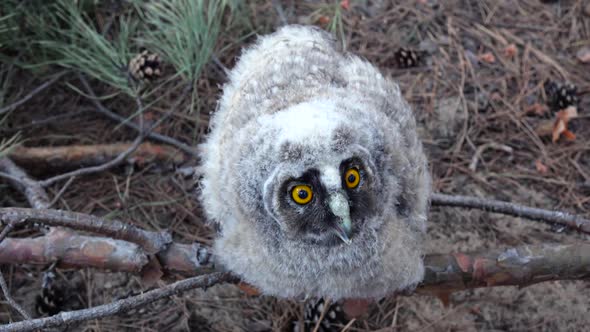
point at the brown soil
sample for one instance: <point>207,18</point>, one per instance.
<point>462,103</point>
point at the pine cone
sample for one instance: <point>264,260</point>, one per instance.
<point>333,320</point>
<point>145,66</point>
<point>406,58</point>
<point>50,302</point>
<point>52,297</point>
<point>560,96</point>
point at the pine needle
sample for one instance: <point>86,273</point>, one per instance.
<point>76,44</point>
<point>183,32</point>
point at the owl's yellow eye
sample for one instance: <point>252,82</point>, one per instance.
<point>352,178</point>
<point>302,194</point>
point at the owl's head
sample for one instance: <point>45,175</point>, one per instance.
<point>321,173</point>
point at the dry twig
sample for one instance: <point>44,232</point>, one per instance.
<point>77,155</point>
<point>31,94</point>
<point>191,151</point>
<point>111,163</point>
<point>573,221</point>
<point>113,308</point>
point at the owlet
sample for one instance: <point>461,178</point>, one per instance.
<point>314,172</point>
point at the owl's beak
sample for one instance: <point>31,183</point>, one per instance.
<point>339,206</point>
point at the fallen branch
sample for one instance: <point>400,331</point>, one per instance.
<point>71,250</point>
<point>111,163</point>
<point>151,242</point>
<point>113,308</point>
<point>519,266</point>
<point>573,221</point>
<point>445,273</point>
<point>98,168</point>
<point>74,156</point>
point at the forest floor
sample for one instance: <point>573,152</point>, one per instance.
<point>480,78</point>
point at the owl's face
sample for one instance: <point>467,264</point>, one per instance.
<point>324,204</point>
<point>324,186</point>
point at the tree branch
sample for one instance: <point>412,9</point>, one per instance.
<point>573,221</point>
<point>95,169</point>
<point>90,155</point>
<point>151,242</point>
<point>71,250</point>
<point>518,266</point>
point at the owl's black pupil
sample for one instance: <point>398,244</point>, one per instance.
<point>302,194</point>
<point>351,178</point>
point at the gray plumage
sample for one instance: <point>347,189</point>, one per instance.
<point>297,118</point>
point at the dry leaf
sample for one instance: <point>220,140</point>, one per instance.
<point>569,135</point>
<point>324,19</point>
<point>558,128</point>
<point>510,51</point>
<point>584,55</point>
<point>151,273</point>
<point>561,121</point>
<point>541,168</point>
<point>355,308</point>
<point>495,96</point>
<point>248,289</point>
<point>487,57</point>
<point>345,4</point>
<point>571,112</point>
<point>537,109</point>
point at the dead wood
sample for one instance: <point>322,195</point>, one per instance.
<point>71,250</point>
<point>75,156</point>
<point>151,242</point>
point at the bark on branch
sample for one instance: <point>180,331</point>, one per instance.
<point>73,156</point>
<point>71,250</point>
<point>151,242</point>
<point>518,266</point>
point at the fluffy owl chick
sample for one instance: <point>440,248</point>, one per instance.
<point>314,172</point>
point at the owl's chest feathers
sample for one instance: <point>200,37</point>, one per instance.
<point>268,249</point>
<point>365,268</point>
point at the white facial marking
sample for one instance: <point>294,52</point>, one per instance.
<point>312,121</point>
<point>330,177</point>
